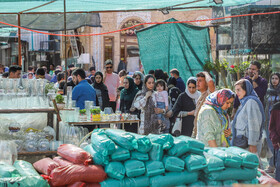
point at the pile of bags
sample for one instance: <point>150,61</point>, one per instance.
<point>162,160</point>
<point>72,168</point>
<point>21,173</point>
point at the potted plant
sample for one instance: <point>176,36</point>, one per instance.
<point>60,102</point>
<point>95,114</point>
<point>83,115</point>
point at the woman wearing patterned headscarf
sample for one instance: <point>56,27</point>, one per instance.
<point>213,121</point>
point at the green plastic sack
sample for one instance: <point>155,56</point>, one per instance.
<point>174,179</point>
<point>7,170</point>
<point>142,181</point>
<point>26,181</point>
<point>213,163</point>
<point>135,155</point>
<point>196,146</point>
<point>249,160</point>
<point>229,182</point>
<point>156,153</point>
<point>254,181</point>
<point>144,143</point>
<point>115,170</point>
<point>97,158</point>
<point>102,143</point>
<point>214,183</point>
<point>124,139</point>
<point>134,168</point>
<point>120,154</point>
<point>25,168</point>
<point>179,148</point>
<point>232,174</point>
<point>166,140</point>
<point>109,182</point>
<point>195,162</point>
<point>173,163</point>
<point>154,168</point>
<point>230,159</point>
<point>198,183</point>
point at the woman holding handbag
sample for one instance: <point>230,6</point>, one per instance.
<point>213,121</point>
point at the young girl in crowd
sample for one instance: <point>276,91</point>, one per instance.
<point>161,101</point>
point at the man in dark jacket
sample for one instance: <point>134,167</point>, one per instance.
<point>180,83</point>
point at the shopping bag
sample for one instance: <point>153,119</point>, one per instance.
<point>177,128</point>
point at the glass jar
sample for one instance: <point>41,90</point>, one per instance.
<point>43,145</point>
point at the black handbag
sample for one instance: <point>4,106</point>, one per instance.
<point>241,141</point>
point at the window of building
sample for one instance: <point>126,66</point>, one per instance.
<point>108,48</point>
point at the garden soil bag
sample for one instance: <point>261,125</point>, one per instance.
<point>25,168</point>
<point>179,148</point>
<point>26,181</point>
<point>74,173</point>
<point>166,140</point>
<point>61,161</point>
<point>196,146</point>
<point>249,160</point>
<point>74,154</point>
<point>195,162</point>
<point>173,163</point>
<point>135,155</point>
<point>124,139</point>
<point>156,153</point>
<point>115,170</point>
<point>213,163</point>
<point>97,158</point>
<point>142,181</point>
<point>45,165</point>
<point>134,168</point>
<point>214,183</point>
<point>102,143</point>
<point>198,183</point>
<point>83,184</point>
<point>154,168</point>
<point>230,159</point>
<point>144,143</point>
<point>173,179</point>
<point>232,174</point>
<point>229,182</point>
<point>6,170</point>
<point>120,154</point>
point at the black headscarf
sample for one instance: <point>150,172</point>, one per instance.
<point>100,85</point>
<point>271,90</point>
<point>129,94</point>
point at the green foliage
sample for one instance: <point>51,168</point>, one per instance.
<point>59,99</point>
<point>49,86</point>
<point>95,111</point>
<point>83,111</point>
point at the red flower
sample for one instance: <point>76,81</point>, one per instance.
<point>232,66</point>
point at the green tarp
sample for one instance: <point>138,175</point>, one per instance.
<point>177,45</point>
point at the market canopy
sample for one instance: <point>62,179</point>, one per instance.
<point>44,6</point>
<point>177,45</point>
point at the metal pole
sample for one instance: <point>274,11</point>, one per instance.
<point>65,51</point>
<point>19,42</point>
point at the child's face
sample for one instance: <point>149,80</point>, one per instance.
<point>159,88</point>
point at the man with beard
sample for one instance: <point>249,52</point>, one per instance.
<point>83,91</point>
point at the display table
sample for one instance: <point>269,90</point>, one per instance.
<point>105,122</point>
<point>38,153</point>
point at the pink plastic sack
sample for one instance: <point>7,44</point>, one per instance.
<point>45,166</point>
<point>75,173</point>
<point>61,161</point>
<point>266,179</point>
<point>82,184</point>
<point>74,154</point>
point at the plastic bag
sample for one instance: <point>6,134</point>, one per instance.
<point>213,163</point>
<point>7,170</point>
<point>27,181</point>
<point>74,173</point>
<point>74,154</point>
<point>134,168</point>
<point>156,153</point>
<point>254,181</point>
<point>9,149</point>
<point>142,181</point>
<point>166,140</point>
<point>135,155</point>
<point>124,139</point>
<point>61,161</point>
<point>214,183</point>
<point>25,168</point>
<point>112,183</point>
<point>249,160</point>
<point>179,148</point>
<point>173,163</point>
<point>97,158</point>
<point>174,179</point>
<point>154,168</point>
<point>233,174</point>
<point>230,159</point>
<point>120,154</point>
<point>196,146</point>
<point>45,166</point>
<point>195,162</point>
<point>229,182</point>
<point>198,183</point>
<point>115,170</point>
<point>102,143</point>
<point>83,184</point>
<point>144,143</point>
